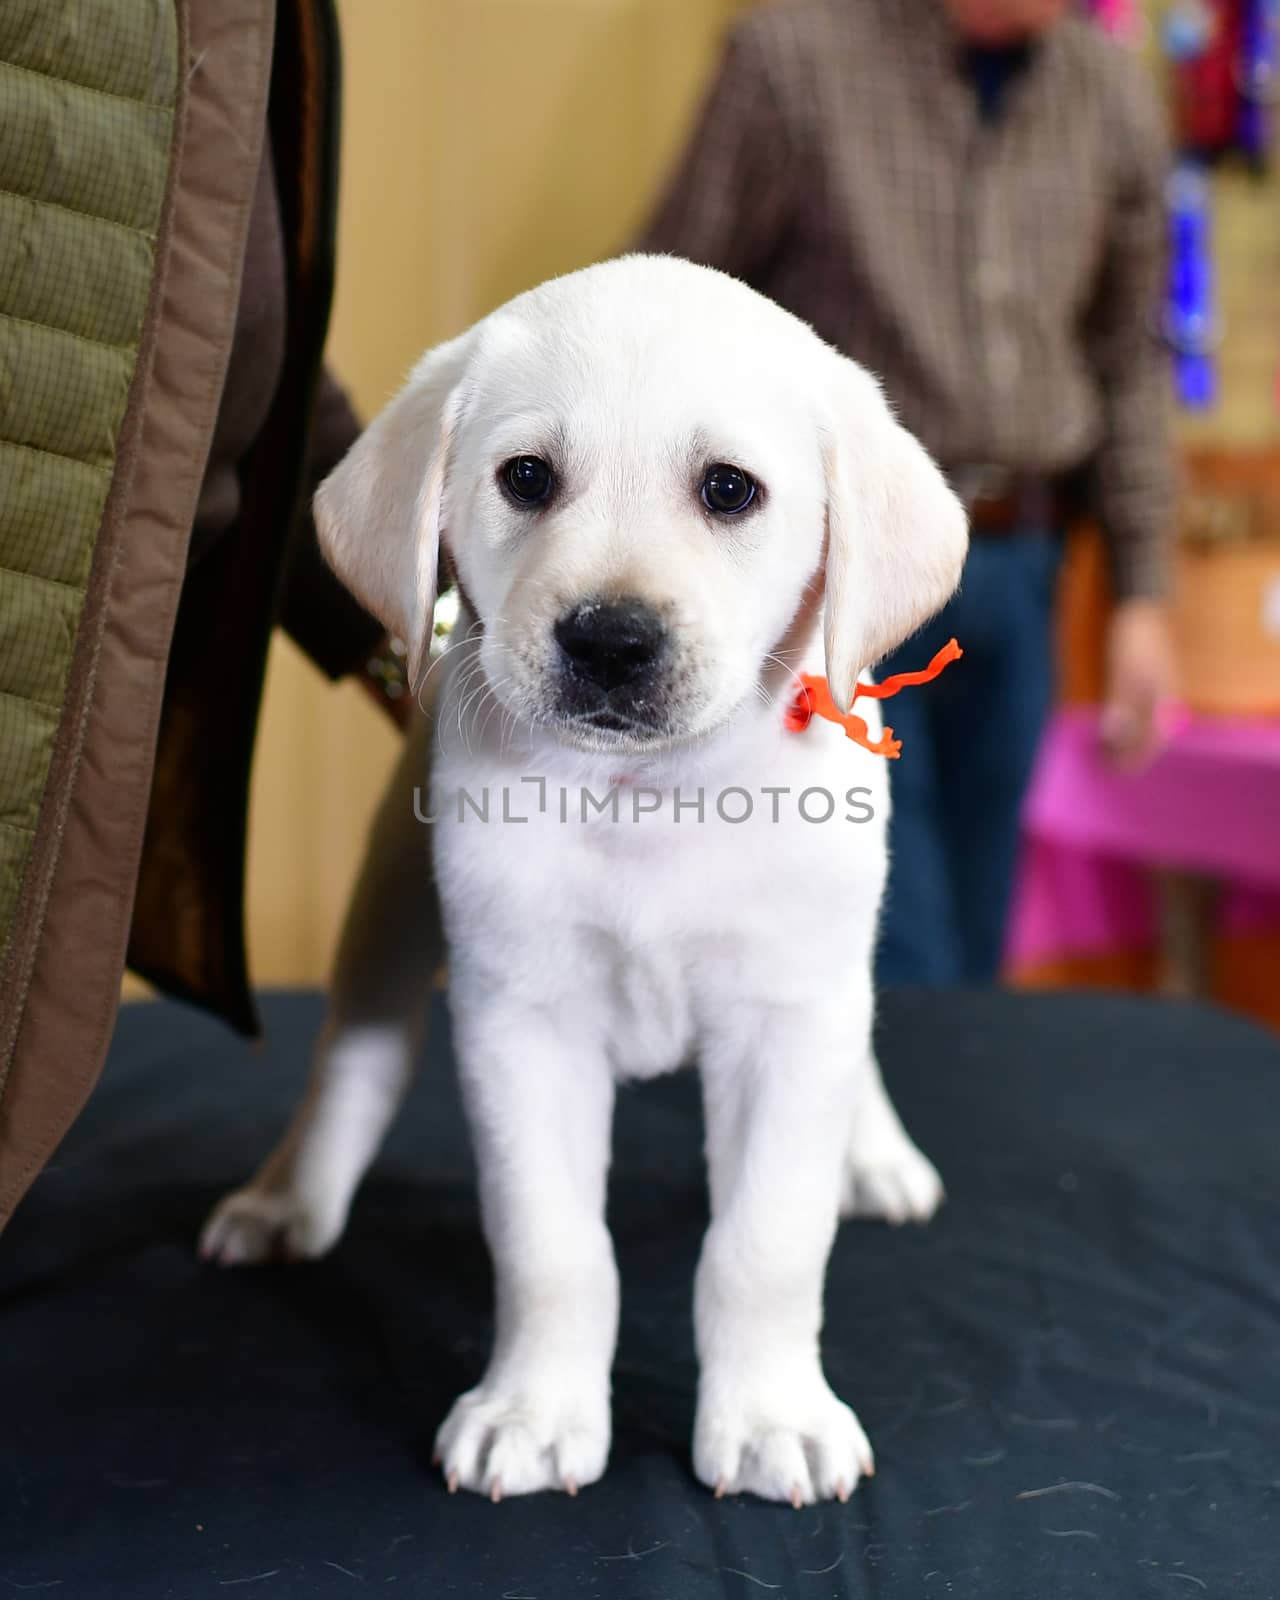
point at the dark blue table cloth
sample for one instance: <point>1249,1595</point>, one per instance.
<point>1071,1378</point>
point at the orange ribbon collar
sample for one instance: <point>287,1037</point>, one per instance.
<point>813,699</point>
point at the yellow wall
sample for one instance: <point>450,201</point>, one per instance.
<point>487,144</point>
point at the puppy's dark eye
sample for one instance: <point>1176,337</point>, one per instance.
<point>727,489</point>
<point>528,478</point>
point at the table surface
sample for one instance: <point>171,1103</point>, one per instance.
<point>1072,1378</point>
<point>1211,800</point>
<point>1210,805</point>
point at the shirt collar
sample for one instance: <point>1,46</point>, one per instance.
<point>951,50</point>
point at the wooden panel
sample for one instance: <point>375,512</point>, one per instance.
<point>487,145</point>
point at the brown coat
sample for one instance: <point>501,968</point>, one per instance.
<point>140,843</point>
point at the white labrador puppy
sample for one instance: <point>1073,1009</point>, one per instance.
<point>651,483</point>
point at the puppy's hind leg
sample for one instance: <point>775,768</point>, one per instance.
<point>885,1174</point>
<point>296,1205</point>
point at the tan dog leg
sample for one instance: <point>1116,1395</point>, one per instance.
<point>391,948</point>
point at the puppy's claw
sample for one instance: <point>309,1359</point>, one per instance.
<point>722,1488</point>
<point>842,1491</point>
<point>451,1481</point>
<point>571,1488</point>
<point>797,1496</point>
<point>495,1491</point>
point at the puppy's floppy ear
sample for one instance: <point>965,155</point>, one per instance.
<point>896,534</point>
<point>378,512</point>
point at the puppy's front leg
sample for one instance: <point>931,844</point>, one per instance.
<point>540,1106</point>
<point>779,1091</point>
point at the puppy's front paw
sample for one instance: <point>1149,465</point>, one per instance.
<point>783,1441</point>
<point>256,1224</point>
<point>504,1438</point>
<point>886,1176</point>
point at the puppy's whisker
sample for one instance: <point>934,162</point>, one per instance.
<point>456,644</point>
<point>496,704</point>
<point>421,688</point>
<point>774,659</point>
<point>507,733</point>
<point>470,670</point>
<point>468,708</point>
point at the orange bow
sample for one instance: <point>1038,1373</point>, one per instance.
<point>813,699</point>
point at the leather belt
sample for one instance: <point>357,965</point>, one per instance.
<point>1002,502</point>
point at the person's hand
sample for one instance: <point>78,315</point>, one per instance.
<point>1141,683</point>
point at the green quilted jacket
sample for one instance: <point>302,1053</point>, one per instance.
<point>138,139</point>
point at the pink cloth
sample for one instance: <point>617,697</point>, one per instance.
<point>1210,804</point>
<point>1122,19</point>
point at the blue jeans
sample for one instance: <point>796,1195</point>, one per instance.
<point>968,743</point>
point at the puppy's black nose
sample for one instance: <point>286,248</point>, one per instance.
<point>611,643</point>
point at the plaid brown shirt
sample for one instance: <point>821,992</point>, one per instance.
<point>1003,277</point>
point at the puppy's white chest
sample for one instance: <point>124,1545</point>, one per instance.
<point>647,1008</point>
<point>645,930</point>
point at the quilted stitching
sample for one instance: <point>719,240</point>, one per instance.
<point>45,514</point>
<point>61,394</point>
<point>85,295</point>
<point>126,49</point>
<point>83,150</point>
<point>86,103</point>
